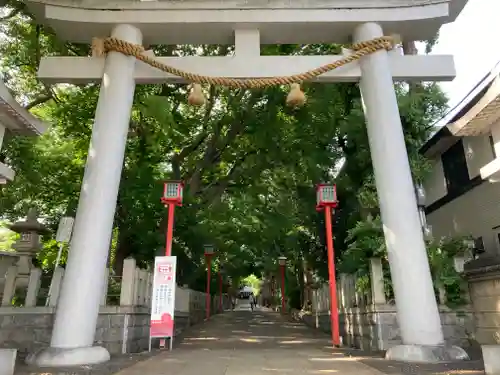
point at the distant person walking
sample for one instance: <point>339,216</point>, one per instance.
<point>232,297</point>
<point>252,300</point>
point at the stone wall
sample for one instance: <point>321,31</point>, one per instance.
<point>120,329</point>
<point>375,327</point>
<point>484,285</point>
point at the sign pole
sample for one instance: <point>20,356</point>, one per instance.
<point>334,314</point>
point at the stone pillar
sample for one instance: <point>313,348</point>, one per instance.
<point>377,281</point>
<point>417,310</point>
<point>78,307</point>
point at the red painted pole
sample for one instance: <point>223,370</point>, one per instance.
<point>170,229</point>
<point>220,292</point>
<point>334,315</point>
<point>209,275</point>
<point>283,307</point>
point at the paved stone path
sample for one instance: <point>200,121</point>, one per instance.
<point>246,343</point>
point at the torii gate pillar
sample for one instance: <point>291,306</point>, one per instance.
<point>416,306</point>
<point>78,305</point>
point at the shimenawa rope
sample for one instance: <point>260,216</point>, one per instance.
<point>295,97</point>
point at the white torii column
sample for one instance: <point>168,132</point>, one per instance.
<point>416,306</point>
<point>78,306</point>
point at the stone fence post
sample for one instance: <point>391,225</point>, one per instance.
<point>34,283</point>
<point>128,288</point>
<point>9,289</point>
<point>377,281</point>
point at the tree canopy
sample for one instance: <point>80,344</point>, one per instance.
<point>249,162</point>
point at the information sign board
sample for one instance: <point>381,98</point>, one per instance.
<point>163,299</point>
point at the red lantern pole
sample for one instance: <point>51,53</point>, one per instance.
<point>172,196</point>
<point>209,251</point>
<point>326,198</point>
<point>220,292</point>
<point>334,315</point>
<point>170,229</point>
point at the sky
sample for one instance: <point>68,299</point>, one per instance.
<point>474,40</point>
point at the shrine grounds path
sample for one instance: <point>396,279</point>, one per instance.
<point>258,343</point>
<point>246,343</point>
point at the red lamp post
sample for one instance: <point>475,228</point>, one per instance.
<point>282,263</point>
<point>209,252</point>
<point>172,196</point>
<point>326,198</point>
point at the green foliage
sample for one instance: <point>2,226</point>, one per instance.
<point>366,240</point>
<point>250,163</point>
<point>7,237</point>
<point>441,253</point>
<point>253,282</point>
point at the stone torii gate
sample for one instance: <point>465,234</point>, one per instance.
<point>247,24</point>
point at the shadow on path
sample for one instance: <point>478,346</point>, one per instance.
<point>246,343</point>
<point>258,343</point>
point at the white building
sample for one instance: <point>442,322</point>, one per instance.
<point>462,196</point>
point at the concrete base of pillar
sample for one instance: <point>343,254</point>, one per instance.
<point>426,354</point>
<point>56,357</point>
<point>7,361</point>
<point>491,358</point>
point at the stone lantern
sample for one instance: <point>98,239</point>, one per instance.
<point>28,244</point>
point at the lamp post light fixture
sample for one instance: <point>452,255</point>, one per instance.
<point>282,264</point>
<point>460,259</point>
<point>209,252</point>
<point>326,199</point>
<point>421,199</point>
<point>172,196</point>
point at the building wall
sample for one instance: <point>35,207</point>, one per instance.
<point>478,153</point>
<point>435,184</point>
<point>485,295</point>
<point>477,212</point>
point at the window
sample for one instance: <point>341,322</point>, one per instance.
<point>455,168</point>
<point>492,145</point>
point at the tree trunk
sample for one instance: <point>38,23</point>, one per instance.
<point>300,278</point>
<point>123,250</point>
<point>308,279</point>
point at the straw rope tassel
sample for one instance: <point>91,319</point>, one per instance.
<point>296,97</point>
<point>196,96</point>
